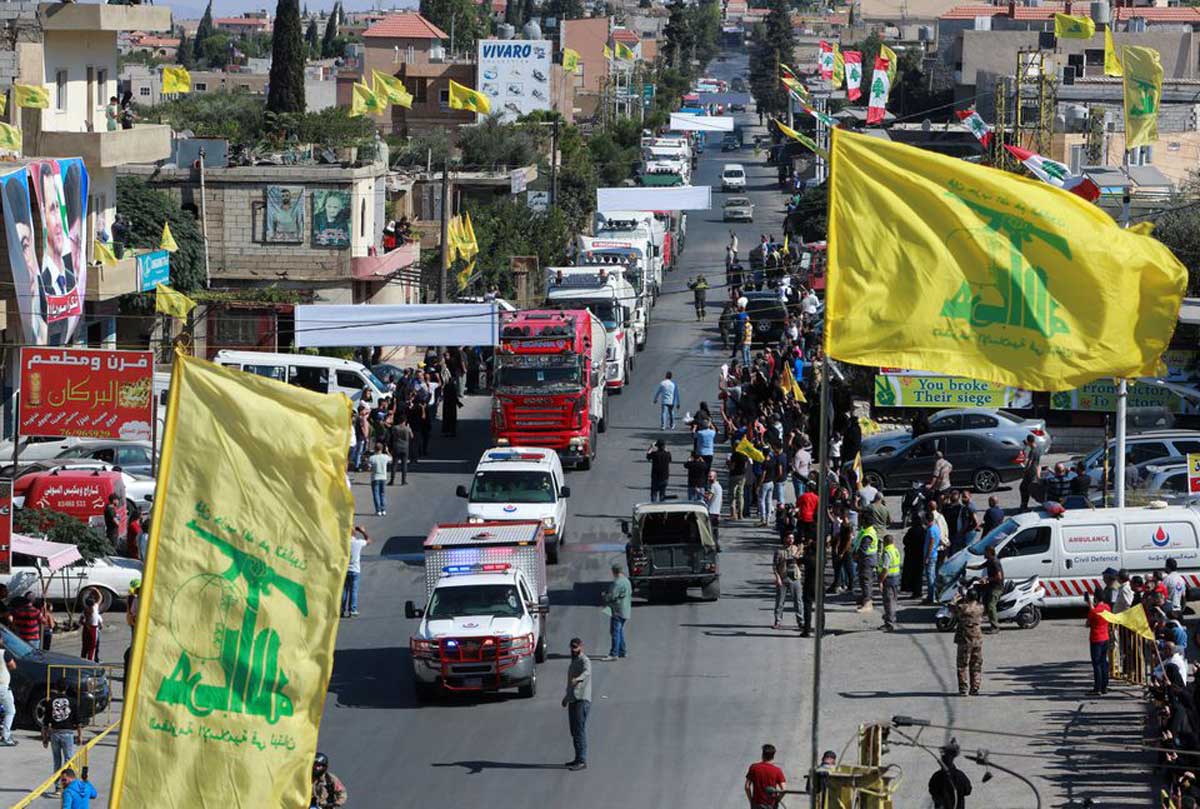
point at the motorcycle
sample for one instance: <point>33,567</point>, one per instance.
<point>1018,603</point>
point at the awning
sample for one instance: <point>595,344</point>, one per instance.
<point>57,554</point>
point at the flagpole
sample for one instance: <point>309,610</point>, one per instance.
<point>823,480</point>
<point>1122,386</point>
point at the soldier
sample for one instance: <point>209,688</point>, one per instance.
<point>969,639</point>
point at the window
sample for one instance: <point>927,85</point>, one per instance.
<point>349,379</point>
<point>1176,482</point>
<point>275,372</point>
<point>1186,447</point>
<point>946,423</point>
<point>1094,57</point>
<point>1147,451</point>
<point>410,55</point>
<point>143,91</point>
<point>418,89</point>
<point>1075,159</point>
<point>444,98</point>
<point>979,421</point>
<point>200,86</point>
<point>362,218</point>
<point>101,87</point>
<point>60,90</point>
<point>1141,156</point>
<point>133,456</point>
<point>1030,542</point>
<point>315,379</point>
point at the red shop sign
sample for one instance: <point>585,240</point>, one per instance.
<point>88,393</point>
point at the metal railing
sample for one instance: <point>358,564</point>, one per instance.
<point>1127,657</point>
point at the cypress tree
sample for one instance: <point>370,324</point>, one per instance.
<point>312,38</point>
<point>203,32</point>
<point>328,42</point>
<point>286,92</point>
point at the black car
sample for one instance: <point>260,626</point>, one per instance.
<point>737,107</point>
<point>731,143</point>
<point>86,685</point>
<point>767,314</point>
<point>979,462</point>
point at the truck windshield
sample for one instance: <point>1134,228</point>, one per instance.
<point>668,528</point>
<point>539,371</point>
<point>608,312</point>
<point>496,600</point>
<point>511,486</point>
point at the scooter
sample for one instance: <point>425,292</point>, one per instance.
<point>1018,603</point>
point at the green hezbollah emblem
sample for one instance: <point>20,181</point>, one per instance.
<point>885,395</point>
<point>248,658</point>
<point>1019,295</point>
<point>1146,96</point>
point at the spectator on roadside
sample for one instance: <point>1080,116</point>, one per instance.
<point>660,470</point>
<point>765,782</point>
<point>62,730</point>
<point>1098,637</point>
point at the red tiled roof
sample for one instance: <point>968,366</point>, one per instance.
<point>1190,15</point>
<point>405,26</point>
<point>258,21</point>
<point>624,35</point>
<point>157,42</point>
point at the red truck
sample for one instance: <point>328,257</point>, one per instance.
<point>549,383</point>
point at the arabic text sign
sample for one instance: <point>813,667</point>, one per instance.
<point>1193,460</point>
<point>153,269</point>
<point>5,527</point>
<point>1101,396</point>
<point>904,390</point>
<point>84,392</point>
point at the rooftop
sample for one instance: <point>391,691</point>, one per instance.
<point>1048,10</point>
<point>405,26</point>
<point>625,35</point>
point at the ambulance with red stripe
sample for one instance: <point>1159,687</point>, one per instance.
<point>1070,551</point>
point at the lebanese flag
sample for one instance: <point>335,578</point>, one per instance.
<point>877,103</point>
<point>979,128</point>
<point>853,74</point>
<point>1055,173</point>
<point>825,62</point>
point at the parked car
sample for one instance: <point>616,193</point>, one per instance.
<point>42,449</point>
<point>767,314</point>
<point>979,462</point>
<point>731,143</point>
<point>109,576</point>
<point>1142,447</point>
<point>87,687</point>
<point>131,456</point>
<point>738,209</point>
<point>999,424</point>
<point>737,107</point>
<point>733,178</point>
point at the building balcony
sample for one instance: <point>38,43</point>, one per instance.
<point>105,283</point>
<point>384,265</point>
<point>103,17</point>
<point>144,143</point>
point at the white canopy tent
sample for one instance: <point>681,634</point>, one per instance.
<point>421,324</point>
<point>673,198</point>
<point>690,122</point>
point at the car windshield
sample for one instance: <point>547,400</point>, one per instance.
<point>380,387</point>
<point>606,311</point>
<point>539,371</point>
<point>16,646</point>
<point>496,600</point>
<point>736,202</point>
<point>734,174</point>
<point>511,486</point>
<point>993,537</point>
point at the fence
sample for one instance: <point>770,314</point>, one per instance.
<point>1127,656</point>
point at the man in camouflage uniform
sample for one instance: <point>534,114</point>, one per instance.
<point>328,792</point>
<point>969,639</point>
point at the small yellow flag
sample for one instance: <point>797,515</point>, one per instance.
<point>464,277</point>
<point>1112,61</point>
<point>608,54</point>
<point>176,80</point>
<point>787,381</point>
<point>173,303</point>
<point>625,52</point>
<point>468,231</point>
<point>858,470</point>
<point>893,63</point>
<point>3,101</point>
<point>1068,27</point>
<point>800,137</point>
<point>167,242</point>
<point>1133,618</point>
<point>30,95</point>
<point>1019,282</point>
<point>391,89</point>
<point>364,101</point>
<point>1143,93</point>
<point>839,67</point>
<point>749,450</point>
<point>464,98</point>
<point>104,253</point>
<point>570,60</point>
<point>795,86</point>
<point>10,138</point>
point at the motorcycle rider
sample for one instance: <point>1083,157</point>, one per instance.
<point>328,791</point>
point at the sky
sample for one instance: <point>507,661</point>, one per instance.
<point>193,9</point>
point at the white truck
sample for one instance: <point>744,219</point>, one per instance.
<point>520,484</point>
<point>609,296</point>
<point>632,227</point>
<point>483,627</point>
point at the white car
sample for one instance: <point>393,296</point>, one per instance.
<point>110,576</point>
<point>520,483</point>
<point>733,178</point>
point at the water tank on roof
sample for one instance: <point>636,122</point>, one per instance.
<point>505,31</point>
<point>1100,13</point>
<point>531,30</point>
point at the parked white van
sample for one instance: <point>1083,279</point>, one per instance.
<point>1071,552</point>
<point>322,374</point>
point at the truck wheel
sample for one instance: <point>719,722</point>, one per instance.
<point>539,653</point>
<point>712,590</point>
<point>552,553</point>
<point>529,690</point>
<point>602,425</point>
<point>426,692</point>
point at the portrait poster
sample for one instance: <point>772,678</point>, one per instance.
<point>285,214</point>
<point>331,218</point>
<point>22,255</point>
<point>61,188</point>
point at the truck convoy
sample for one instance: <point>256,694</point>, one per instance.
<point>549,383</point>
<point>483,626</point>
<point>611,298</point>
<point>639,229</point>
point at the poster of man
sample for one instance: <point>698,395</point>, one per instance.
<point>22,255</point>
<point>331,218</point>
<point>61,188</point>
<point>285,214</point>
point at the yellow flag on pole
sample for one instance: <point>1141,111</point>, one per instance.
<point>104,253</point>
<point>391,89</point>
<point>10,138</point>
<point>3,101</point>
<point>364,101</point>
<point>171,302</point>
<point>1133,618</point>
<point>893,62</point>
<point>608,54</point>
<point>1143,93</point>
<point>788,383</point>
<point>468,231</point>
<point>625,53</point>
<point>955,268</point>
<point>167,242</point>
<point>800,137</point>
<point>240,595</point>
<point>31,95</point>
<point>464,98</point>
<point>749,450</point>
<point>570,60</point>
<point>858,470</point>
<point>1112,61</point>
<point>1069,27</point>
<point>839,67</point>
<point>176,80</point>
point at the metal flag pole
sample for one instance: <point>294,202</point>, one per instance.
<point>823,480</point>
<point>1122,388</point>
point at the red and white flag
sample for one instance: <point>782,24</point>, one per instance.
<point>880,84</point>
<point>825,62</point>
<point>974,122</point>
<point>853,74</point>
<point>1055,173</point>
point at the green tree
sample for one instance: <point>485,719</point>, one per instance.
<point>237,117</point>
<point>185,54</point>
<point>563,9</point>
<point>1179,229</point>
<point>809,220</point>
<point>331,34</point>
<point>508,228</point>
<point>679,34</point>
<point>286,90</point>
<point>203,31</point>
<point>492,144</point>
<point>57,526</point>
<point>312,38</point>
<point>146,209</point>
<point>774,43</point>
<point>468,19</point>
<point>215,50</point>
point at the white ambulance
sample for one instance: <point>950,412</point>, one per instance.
<point>520,484</point>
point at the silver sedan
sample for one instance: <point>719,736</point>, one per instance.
<point>998,424</point>
<point>738,209</point>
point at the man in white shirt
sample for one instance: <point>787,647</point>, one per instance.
<point>1172,657</point>
<point>358,541</point>
<point>809,304</point>
<point>667,396</point>
<point>713,497</point>
<point>1176,587</point>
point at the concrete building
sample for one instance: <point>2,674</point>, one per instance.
<point>145,83</point>
<point>251,22</point>
<point>588,37</point>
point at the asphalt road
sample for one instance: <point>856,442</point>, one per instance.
<point>677,722</point>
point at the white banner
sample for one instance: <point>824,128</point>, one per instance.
<point>419,324</point>
<point>675,198</point>
<point>687,122</point>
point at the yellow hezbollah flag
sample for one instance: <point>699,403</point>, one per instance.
<point>625,52</point>
<point>240,596</point>
<point>391,88</point>
<point>1068,27</point>
<point>363,101</point>
<point>10,138</point>
<point>800,137</point>
<point>172,302</point>
<point>893,63</point>
<point>1143,92</point>
<point>3,101</point>
<point>795,86</point>
<point>839,67</point>
<point>1133,618</point>
<point>749,450</point>
<point>955,268</point>
<point>167,242</point>
<point>104,253</point>
<point>608,54</point>
<point>455,238</point>
<point>570,59</point>
<point>787,381</point>
<point>29,95</point>
<point>1112,62</point>
<point>176,80</point>
<point>464,98</point>
<point>858,470</point>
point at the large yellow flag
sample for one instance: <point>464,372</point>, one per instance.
<point>31,95</point>
<point>625,52</point>
<point>176,80</point>
<point>570,60</point>
<point>391,88</point>
<point>955,268</point>
<point>749,450</point>
<point>1133,618</point>
<point>172,302</point>
<point>240,596</point>
<point>464,98</point>
<point>167,242</point>
<point>1068,27</point>
<point>10,138</point>
<point>1112,61</point>
<point>1143,92</point>
<point>363,101</point>
<point>787,380</point>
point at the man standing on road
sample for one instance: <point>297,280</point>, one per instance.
<point>1033,462</point>
<point>660,470</point>
<point>933,542</point>
<point>400,435</point>
<point>380,464</point>
<point>619,600</point>
<point>1176,589</point>
<point>866,548</point>
<point>993,516</point>
<point>737,464</point>
<point>969,639</point>
<point>940,480</point>
<point>358,541</point>
<point>578,702</point>
<point>697,478</point>
<point>699,289</point>
<point>7,703</point>
<point>765,781</point>
<point>889,581</point>
<point>1058,485</point>
<point>704,437</point>
<point>62,730</point>
<point>667,396</point>
<point>786,567</point>
<point>713,498</point>
<point>992,583</point>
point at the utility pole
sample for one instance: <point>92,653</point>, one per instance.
<point>554,164</point>
<point>445,231</point>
